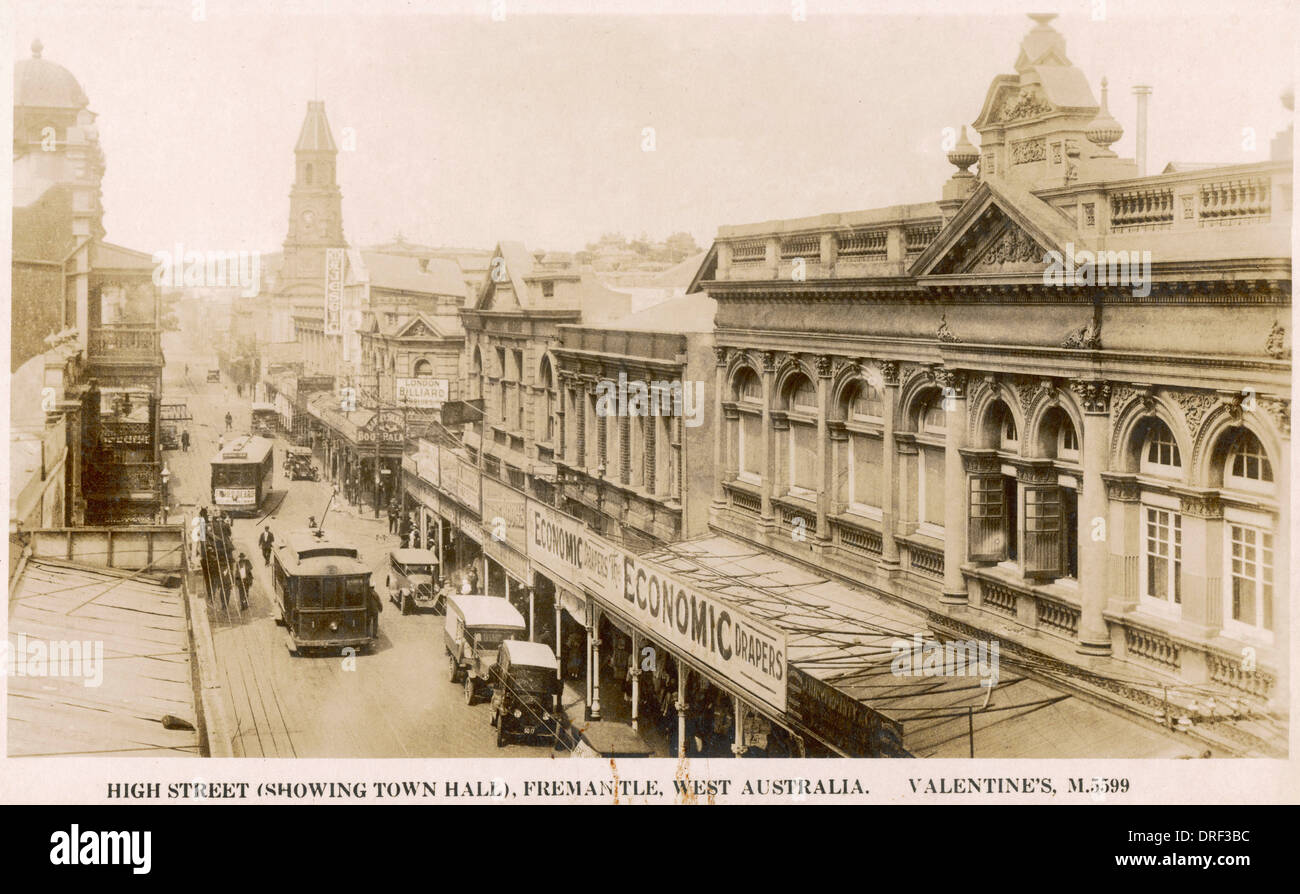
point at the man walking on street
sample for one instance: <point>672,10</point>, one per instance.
<point>185,440</point>
<point>230,420</point>
<point>244,573</point>
<point>265,542</point>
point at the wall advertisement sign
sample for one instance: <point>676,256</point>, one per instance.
<point>333,291</point>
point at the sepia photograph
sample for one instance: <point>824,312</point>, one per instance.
<point>513,382</point>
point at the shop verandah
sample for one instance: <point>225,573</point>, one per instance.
<point>868,678</point>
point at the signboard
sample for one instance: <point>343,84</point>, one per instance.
<point>388,427</point>
<point>748,652</point>
<point>842,720</point>
<point>235,496</point>
<point>570,551</point>
<point>426,462</point>
<point>333,291</point>
<point>458,412</point>
<point>423,393</point>
<point>503,514</point>
<point>458,478</point>
<point>126,434</point>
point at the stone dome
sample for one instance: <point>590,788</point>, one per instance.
<point>39,83</point>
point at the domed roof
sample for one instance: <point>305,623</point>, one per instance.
<point>43,84</point>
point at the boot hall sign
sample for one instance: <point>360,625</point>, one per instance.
<point>748,653</point>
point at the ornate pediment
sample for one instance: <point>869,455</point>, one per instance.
<point>992,243</point>
<point>1012,246</point>
<point>1021,105</point>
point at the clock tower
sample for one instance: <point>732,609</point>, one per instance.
<point>315,205</point>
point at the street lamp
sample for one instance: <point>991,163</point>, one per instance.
<point>166,476</point>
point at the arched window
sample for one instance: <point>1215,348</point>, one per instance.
<point>801,443</point>
<point>1247,463</point>
<point>747,391</point>
<point>1160,454</point>
<point>862,401</point>
<point>307,174</point>
<point>862,456</point>
<point>931,427</point>
<point>476,372</point>
<point>423,369</point>
<point>546,381</point>
<point>801,396</point>
<point>746,386</point>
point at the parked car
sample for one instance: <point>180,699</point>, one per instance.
<point>475,628</point>
<point>409,579</point>
<point>524,690</point>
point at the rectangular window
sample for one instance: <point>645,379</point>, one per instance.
<point>931,504</point>
<point>1011,499</point>
<point>1070,514</point>
<point>751,445</point>
<point>987,531</point>
<point>865,456</point>
<point>1162,555</point>
<point>803,457</point>
<point>1251,576</point>
<point>1043,532</point>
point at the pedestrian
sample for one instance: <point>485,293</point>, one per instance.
<point>473,579</point>
<point>465,588</point>
<point>244,569</point>
<point>265,541</point>
<point>230,421</point>
<point>185,440</point>
<point>392,520</point>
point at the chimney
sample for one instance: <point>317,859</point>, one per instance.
<point>1142,91</point>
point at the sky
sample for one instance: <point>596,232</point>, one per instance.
<point>470,130</point>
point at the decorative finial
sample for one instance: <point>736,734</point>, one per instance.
<point>37,46</point>
<point>1104,129</point>
<point>1044,19</point>
<point>963,155</point>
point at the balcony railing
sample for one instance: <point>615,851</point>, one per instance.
<point>125,342</point>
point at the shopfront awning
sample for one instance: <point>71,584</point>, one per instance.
<point>848,683</point>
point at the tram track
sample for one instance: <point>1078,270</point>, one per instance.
<point>255,695</point>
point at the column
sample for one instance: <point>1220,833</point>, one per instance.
<point>681,710</point>
<point>635,670</point>
<point>595,664</point>
<point>589,639</point>
<point>738,733</point>
<point>559,650</point>
<point>824,367</point>
<point>1094,397</point>
<point>768,454</point>
<point>1123,539</point>
<point>889,469</point>
<point>719,427</point>
<point>532,627</point>
<point>1201,531</point>
<point>953,383</point>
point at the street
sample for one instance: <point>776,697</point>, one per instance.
<point>394,701</point>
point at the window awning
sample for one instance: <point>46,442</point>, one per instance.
<point>848,639</point>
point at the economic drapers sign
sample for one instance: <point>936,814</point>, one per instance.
<point>333,291</point>
<point>422,393</point>
<point>749,653</point>
<point>565,547</point>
